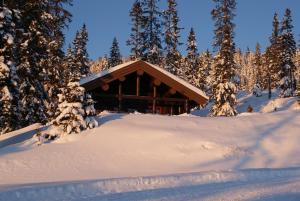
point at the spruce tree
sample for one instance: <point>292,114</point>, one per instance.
<point>75,111</point>
<point>172,35</point>
<point>80,51</point>
<point>152,32</point>
<point>31,64</point>
<point>288,51</point>
<point>273,57</point>
<point>115,57</point>
<point>238,59</point>
<point>247,72</point>
<point>202,75</point>
<point>58,22</point>
<point>136,35</point>
<point>258,64</point>
<point>9,18</point>
<point>224,87</point>
<point>192,58</point>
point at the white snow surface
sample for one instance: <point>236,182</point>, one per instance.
<point>254,156</point>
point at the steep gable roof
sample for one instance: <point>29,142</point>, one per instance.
<point>159,73</point>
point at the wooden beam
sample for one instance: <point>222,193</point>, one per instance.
<point>120,96</point>
<point>172,91</point>
<point>157,82</point>
<point>122,79</point>
<point>134,97</point>
<point>138,78</point>
<point>154,100</point>
<point>140,72</point>
<point>105,87</point>
<point>187,107</point>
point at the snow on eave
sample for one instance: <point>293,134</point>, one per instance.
<point>179,80</point>
<point>105,72</point>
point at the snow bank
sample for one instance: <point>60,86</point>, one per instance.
<point>127,145</point>
<point>253,156</point>
<point>20,135</point>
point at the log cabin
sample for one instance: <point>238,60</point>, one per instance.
<point>142,87</point>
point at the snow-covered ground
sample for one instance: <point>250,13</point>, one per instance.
<point>254,156</point>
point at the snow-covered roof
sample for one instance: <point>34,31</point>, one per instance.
<point>118,67</point>
<point>105,72</point>
<point>181,81</point>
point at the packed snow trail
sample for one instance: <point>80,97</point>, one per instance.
<point>259,184</point>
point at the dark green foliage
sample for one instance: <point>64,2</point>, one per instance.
<point>152,50</point>
<point>115,57</point>
<point>136,35</point>
<point>224,89</point>
<point>287,53</point>
<point>172,35</point>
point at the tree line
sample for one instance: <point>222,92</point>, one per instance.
<point>155,37</point>
<point>39,82</point>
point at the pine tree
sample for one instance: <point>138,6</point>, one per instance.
<point>288,51</point>
<point>136,36</point>
<point>272,57</point>
<point>192,58</point>
<point>238,60</point>
<point>248,73</point>
<point>80,51</point>
<point>172,35</point>
<point>298,91</point>
<point>100,64</point>
<point>75,111</point>
<point>152,32</point>
<point>202,75</point>
<point>258,65</point>
<point>32,56</point>
<point>58,22</point>
<point>8,79</point>
<point>115,55</point>
<point>224,88</point>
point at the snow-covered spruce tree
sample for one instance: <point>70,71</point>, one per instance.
<point>238,60</point>
<point>75,110</point>
<point>203,75</point>
<point>60,17</point>
<point>115,57</point>
<point>80,51</point>
<point>171,39</point>
<point>9,18</point>
<point>136,35</point>
<point>298,91</point>
<point>192,59</point>
<point>297,64</point>
<point>33,52</point>
<point>288,51</point>
<point>224,88</point>
<point>247,73</point>
<point>272,57</point>
<point>258,65</point>
<point>152,32</point>
<point>100,64</point>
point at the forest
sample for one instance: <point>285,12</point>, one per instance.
<point>39,80</point>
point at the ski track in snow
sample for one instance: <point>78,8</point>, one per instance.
<point>243,185</point>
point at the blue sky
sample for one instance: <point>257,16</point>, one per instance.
<point>108,18</point>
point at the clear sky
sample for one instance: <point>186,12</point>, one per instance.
<point>108,18</point>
